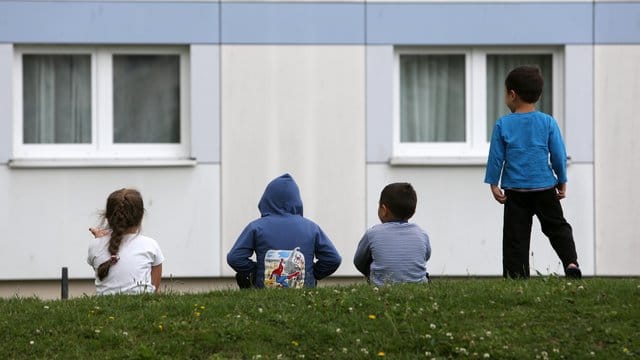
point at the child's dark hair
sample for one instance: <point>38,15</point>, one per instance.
<point>124,211</point>
<point>400,199</point>
<point>526,81</point>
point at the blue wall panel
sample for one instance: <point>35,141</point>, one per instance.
<point>293,23</point>
<point>617,23</point>
<point>108,22</point>
<point>527,23</point>
<point>479,24</point>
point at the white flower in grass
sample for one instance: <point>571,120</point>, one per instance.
<point>338,330</point>
<point>364,351</point>
<point>46,307</point>
<point>31,342</point>
<point>486,355</point>
<point>97,331</point>
<point>432,326</point>
<point>427,353</point>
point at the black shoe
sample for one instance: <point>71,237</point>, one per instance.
<point>573,273</point>
<point>246,280</point>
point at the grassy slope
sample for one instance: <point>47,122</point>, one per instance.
<point>539,318</point>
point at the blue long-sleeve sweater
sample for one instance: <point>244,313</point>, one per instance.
<point>526,150</point>
<point>285,243</point>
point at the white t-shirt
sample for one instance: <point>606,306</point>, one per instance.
<point>132,273</point>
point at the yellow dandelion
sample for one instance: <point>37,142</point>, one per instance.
<point>201,307</point>
<point>372,317</point>
<point>295,343</point>
<point>160,327</point>
<point>380,353</point>
<point>111,318</point>
<point>196,314</point>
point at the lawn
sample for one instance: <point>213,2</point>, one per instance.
<point>545,317</point>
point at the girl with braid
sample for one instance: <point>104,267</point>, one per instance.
<point>125,261</point>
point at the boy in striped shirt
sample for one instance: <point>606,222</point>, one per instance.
<point>394,251</point>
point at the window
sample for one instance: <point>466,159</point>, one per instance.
<point>448,99</point>
<point>101,103</point>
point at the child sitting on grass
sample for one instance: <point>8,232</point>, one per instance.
<point>394,251</point>
<point>125,261</point>
<point>285,243</point>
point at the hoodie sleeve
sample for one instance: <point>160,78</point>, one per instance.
<point>362,259</point>
<point>239,255</point>
<point>328,258</point>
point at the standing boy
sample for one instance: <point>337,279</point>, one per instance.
<point>527,157</point>
<point>284,242</point>
<point>394,251</point>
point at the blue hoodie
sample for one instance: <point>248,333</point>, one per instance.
<point>285,242</point>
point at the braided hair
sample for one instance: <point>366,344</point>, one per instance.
<point>124,211</point>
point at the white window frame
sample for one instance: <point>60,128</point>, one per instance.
<point>102,146</point>
<point>474,150</point>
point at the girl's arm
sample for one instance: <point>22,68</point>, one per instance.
<point>156,276</point>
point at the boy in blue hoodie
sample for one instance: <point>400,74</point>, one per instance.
<point>285,243</point>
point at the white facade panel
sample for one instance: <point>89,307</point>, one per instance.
<point>46,213</point>
<point>617,159</point>
<point>298,110</point>
<point>465,223</point>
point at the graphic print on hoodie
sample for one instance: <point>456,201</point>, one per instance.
<point>285,243</point>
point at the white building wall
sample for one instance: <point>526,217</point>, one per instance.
<point>324,114</point>
<point>617,157</point>
<point>296,109</point>
<point>46,213</point>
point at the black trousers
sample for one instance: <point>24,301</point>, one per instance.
<point>516,234</point>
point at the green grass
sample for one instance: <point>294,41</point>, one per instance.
<point>472,318</point>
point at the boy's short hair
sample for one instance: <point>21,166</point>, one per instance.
<point>400,199</point>
<point>526,81</point>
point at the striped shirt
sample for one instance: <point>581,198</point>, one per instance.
<point>393,252</point>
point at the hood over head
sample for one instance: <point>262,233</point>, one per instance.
<point>281,197</point>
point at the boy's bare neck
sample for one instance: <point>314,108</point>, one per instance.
<point>524,107</point>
